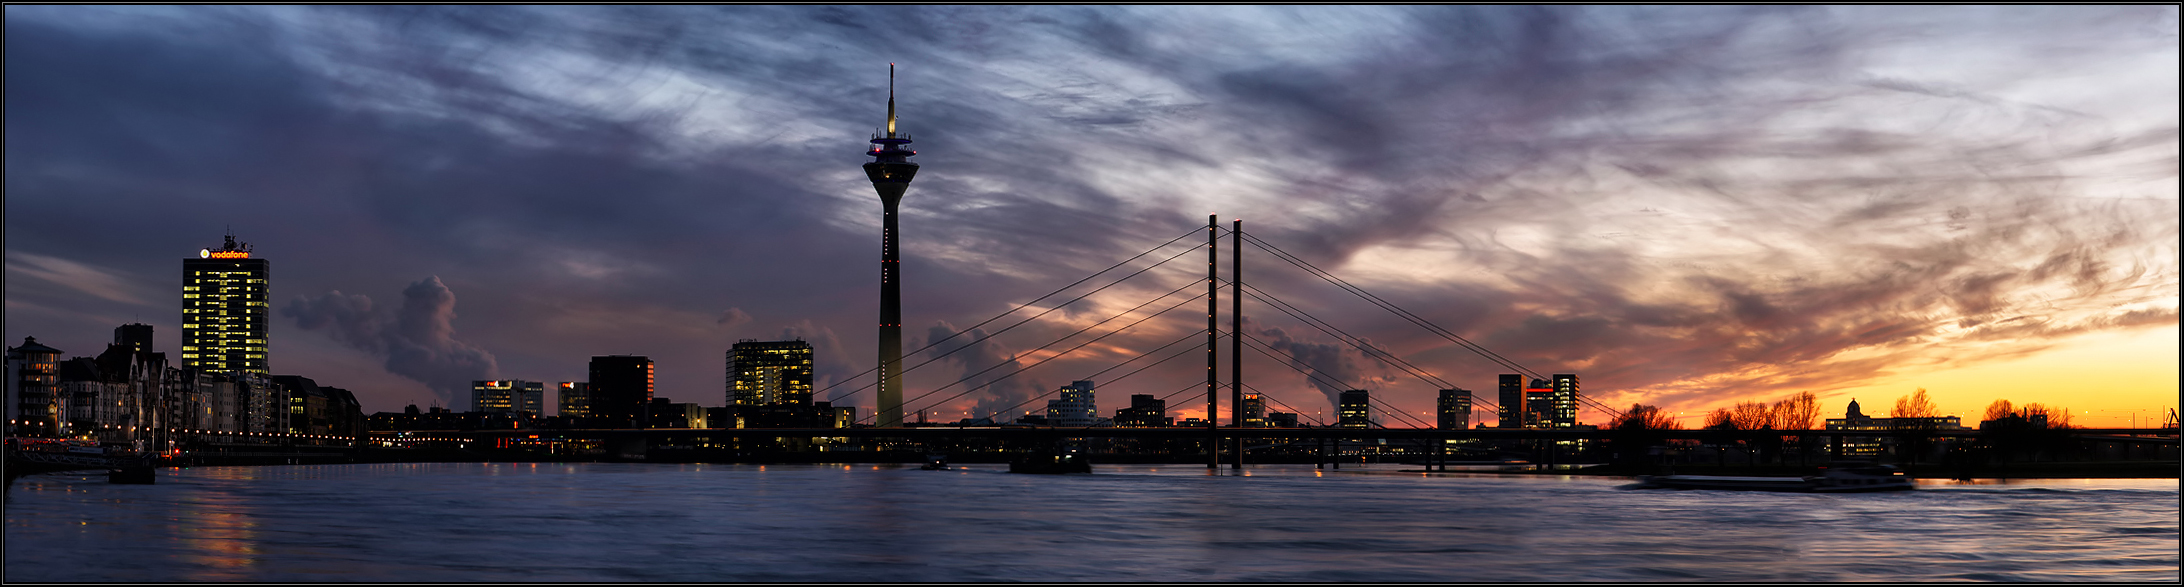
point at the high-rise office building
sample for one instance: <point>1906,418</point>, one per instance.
<point>1539,404</point>
<point>1511,398</point>
<point>1356,410</point>
<point>621,388</point>
<point>1074,409</point>
<point>890,172</point>
<point>573,398</point>
<point>1454,409</point>
<point>772,373</point>
<point>508,396</point>
<point>1565,404</point>
<point>1254,410</point>
<point>224,309</point>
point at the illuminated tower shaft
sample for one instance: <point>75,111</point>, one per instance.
<point>890,171</point>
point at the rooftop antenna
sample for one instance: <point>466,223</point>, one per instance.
<point>890,100</point>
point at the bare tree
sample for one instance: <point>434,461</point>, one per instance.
<point>2058,417</point>
<point>1720,418</point>
<point>1645,417</point>
<point>1914,428</point>
<point>1916,405</point>
<point>1999,410</point>
<point>1751,416</point>
<point>1797,412</point>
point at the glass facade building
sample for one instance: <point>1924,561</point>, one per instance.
<point>1454,409</point>
<point>770,373</point>
<point>224,309</point>
<point>508,396</point>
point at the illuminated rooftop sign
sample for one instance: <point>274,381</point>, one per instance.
<point>212,254</point>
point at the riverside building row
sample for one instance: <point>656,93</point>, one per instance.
<point>222,389</point>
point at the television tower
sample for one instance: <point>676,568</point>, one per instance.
<point>890,171</point>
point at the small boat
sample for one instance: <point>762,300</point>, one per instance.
<point>935,463</point>
<point>1843,480</point>
<point>132,475</point>
<point>1050,464</point>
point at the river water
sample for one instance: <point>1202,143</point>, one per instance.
<point>448,522</point>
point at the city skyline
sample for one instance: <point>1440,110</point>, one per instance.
<point>1689,207</point>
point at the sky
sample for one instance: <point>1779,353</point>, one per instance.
<point>1687,206</point>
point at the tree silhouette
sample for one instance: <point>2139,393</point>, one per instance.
<point>1632,440</point>
<point>1797,412</point>
<point>1914,424</point>
<point>1644,417</point>
<point>1916,405</point>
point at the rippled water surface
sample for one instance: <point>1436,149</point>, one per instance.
<point>631,522</point>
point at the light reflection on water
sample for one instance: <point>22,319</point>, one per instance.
<point>630,522</point>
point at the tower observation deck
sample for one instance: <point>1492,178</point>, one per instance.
<point>890,171</point>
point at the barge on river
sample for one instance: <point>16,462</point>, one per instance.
<point>1830,480</point>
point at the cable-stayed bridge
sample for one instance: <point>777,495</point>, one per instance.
<point>1167,305</point>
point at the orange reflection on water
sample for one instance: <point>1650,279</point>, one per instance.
<point>221,538</point>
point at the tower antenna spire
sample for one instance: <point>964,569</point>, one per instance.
<point>890,172</point>
<point>890,100</point>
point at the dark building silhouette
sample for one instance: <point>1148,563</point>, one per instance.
<point>667,413</point>
<point>1356,410</point>
<point>320,410</point>
<point>1454,409</point>
<point>1145,411</point>
<point>225,299</point>
<point>441,419</point>
<point>137,338</point>
<point>573,399</point>
<point>1511,398</point>
<point>621,388</point>
<point>890,172</point>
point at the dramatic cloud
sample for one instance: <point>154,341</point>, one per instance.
<point>1688,206</point>
<point>989,371</point>
<point>417,339</point>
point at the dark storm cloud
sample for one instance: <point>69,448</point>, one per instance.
<point>989,370</point>
<point>417,339</point>
<point>1683,203</point>
<point>1330,367</point>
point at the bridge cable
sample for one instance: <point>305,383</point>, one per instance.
<point>1186,350</point>
<point>1270,397</point>
<point>1017,309</point>
<point>1291,363</point>
<point>1383,355</point>
<point>1415,319</point>
<point>1059,341</point>
<point>1407,315</point>
<point>1346,286</point>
